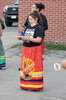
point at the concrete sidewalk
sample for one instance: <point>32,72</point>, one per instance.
<point>54,82</point>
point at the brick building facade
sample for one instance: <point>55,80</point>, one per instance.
<point>55,11</point>
<point>3,3</point>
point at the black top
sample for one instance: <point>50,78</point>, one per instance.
<point>33,32</point>
<point>27,24</point>
<point>45,24</point>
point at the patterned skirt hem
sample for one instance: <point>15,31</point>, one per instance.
<point>33,89</point>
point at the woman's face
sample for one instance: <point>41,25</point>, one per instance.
<point>34,8</point>
<point>32,20</point>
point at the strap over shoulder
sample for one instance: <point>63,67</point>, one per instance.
<point>0,30</point>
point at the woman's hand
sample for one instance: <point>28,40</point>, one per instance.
<point>24,38</point>
<point>19,37</point>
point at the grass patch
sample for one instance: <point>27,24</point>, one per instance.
<point>53,46</point>
<point>17,45</point>
<point>49,46</point>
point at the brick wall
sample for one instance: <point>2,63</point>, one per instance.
<point>3,3</point>
<point>55,12</point>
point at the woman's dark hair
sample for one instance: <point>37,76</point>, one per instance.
<point>35,15</point>
<point>40,6</point>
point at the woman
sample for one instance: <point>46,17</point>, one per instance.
<point>2,56</point>
<point>31,71</point>
<point>43,21</point>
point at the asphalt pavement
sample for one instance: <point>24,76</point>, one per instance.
<point>54,81</point>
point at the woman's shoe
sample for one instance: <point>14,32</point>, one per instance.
<point>4,68</point>
<point>42,58</point>
<point>18,68</point>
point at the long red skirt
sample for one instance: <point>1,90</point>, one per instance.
<point>31,72</point>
